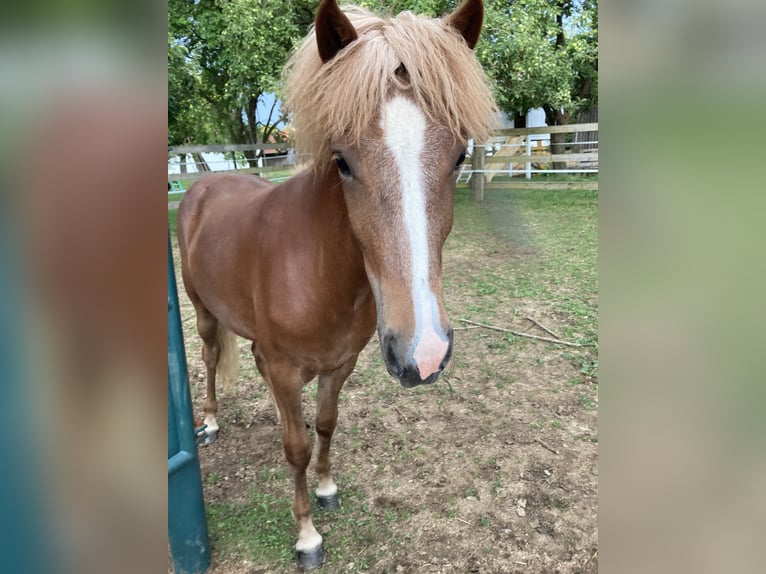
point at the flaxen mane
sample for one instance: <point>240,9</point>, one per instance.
<point>425,56</point>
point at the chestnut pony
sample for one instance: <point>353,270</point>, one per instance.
<point>307,269</point>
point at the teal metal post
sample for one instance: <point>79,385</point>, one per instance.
<point>187,525</point>
<point>25,536</point>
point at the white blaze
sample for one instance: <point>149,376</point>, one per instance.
<point>404,129</point>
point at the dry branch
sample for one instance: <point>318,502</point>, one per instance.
<point>543,327</point>
<point>546,445</point>
<point>519,334</point>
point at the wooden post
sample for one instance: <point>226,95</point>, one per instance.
<point>477,179</point>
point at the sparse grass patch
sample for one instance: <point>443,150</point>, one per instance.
<point>587,402</point>
<point>552,237</point>
<point>262,527</point>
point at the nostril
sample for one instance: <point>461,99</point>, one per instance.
<point>392,360</point>
<point>448,356</point>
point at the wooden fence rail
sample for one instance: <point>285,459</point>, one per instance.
<point>525,160</point>
<point>573,128</point>
<point>227,147</point>
<point>509,153</point>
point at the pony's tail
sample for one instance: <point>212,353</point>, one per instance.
<point>228,358</point>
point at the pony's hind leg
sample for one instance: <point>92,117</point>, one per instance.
<point>260,362</point>
<point>327,417</point>
<point>207,325</point>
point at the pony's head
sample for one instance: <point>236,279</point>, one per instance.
<point>386,107</point>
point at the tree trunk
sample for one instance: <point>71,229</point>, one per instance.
<point>251,156</point>
<point>558,146</point>
<point>555,117</point>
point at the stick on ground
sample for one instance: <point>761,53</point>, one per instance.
<point>519,334</point>
<point>546,445</point>
<point>543,327</point>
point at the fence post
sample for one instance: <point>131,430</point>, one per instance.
<point>529,152</point>
<point>477,179</point>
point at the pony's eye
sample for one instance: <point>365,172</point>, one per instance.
<point>460,160</point>
<point>343,168</point>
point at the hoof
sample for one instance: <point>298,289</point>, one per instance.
<point>328,502</point>
<point>310,560</point>
<point>210,437</point>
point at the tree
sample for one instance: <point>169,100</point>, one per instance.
<point>582,46</point>
<point>539,51</point>
<point>190,117</point>
<point>235,50</point>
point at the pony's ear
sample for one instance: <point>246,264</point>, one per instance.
<point>333,29</point>
<point>467,20</point>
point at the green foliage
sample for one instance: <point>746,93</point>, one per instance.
<point>225,55</point>
<point>191,118</point>
<point>541,53</point>
<point>518,49</point>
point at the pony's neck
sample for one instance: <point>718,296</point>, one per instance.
<point>321,191</point>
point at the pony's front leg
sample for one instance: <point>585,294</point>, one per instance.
<point>327,417</point>
<point>297,444</point>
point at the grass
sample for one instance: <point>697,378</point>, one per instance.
<point>552,237</point>
<point>172,218</point>
<point>552,177</point>
<point>262,529</point>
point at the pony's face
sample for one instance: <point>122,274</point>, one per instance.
<point>399,184</point>
<point>398,169</point>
